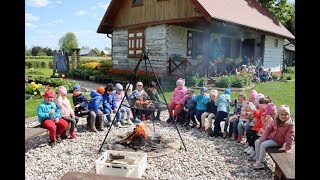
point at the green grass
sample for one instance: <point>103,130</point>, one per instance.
<point>44,72</point>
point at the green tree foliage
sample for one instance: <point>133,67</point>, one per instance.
<point>48,51</point>
<point>41,54</point>
<point>282,10</point>
<point>68,42</point>
<point>35,50</point>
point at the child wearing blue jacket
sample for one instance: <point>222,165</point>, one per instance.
<point>110,105</point>
<point>202,100</point>
<point>94,106</point>
<point>80,101</point>
<point>223,109</point>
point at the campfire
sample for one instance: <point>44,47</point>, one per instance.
<point>137,138</point>
<point>146,140</point>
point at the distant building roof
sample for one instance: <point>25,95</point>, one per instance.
<point>106,52</point>
<point>85,51</point>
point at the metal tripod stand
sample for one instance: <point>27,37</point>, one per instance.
<point>133,80</point>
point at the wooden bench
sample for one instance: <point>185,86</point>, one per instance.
<point>34,131</point>
<point>284,163</point>
<point>84,176</point>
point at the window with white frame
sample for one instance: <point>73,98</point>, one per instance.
<point>135,43</point>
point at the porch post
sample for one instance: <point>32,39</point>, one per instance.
<point>263,37</point>
<point>205,50</point>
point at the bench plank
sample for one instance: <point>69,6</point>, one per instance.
<point>84,176</point>
<point>31,132</point>
<point>285,162</point>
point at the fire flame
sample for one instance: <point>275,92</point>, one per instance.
<point>139,131</point>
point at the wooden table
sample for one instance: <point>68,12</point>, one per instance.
<point>84,176</point>
<point>284,163</point>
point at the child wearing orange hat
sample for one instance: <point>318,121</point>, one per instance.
<point>50,118</point>
<point>94,107</point>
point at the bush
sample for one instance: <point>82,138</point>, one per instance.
<point>43,64</point>
<point>51,64</point>
<point>223,82</point>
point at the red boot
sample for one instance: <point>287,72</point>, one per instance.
<point>239,138</point>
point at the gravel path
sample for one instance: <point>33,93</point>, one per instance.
<point>206,157</point>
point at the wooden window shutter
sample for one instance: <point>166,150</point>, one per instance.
<point>135,43</point>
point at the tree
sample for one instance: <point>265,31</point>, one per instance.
<point>68,42</point>
<point>97,50</point>
<point>48,51</point>
<point>282,10</point>
<point>107,48</point>
<point>35,50</point>
<point>41,54</point>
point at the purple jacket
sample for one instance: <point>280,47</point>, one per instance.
<point>281,134</point>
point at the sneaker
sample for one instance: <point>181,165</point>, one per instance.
<point>93,129</point>
<point>108,124</point>
<point>52,143</point>
<point>169,120</point>
<point>73,135</point>
<point>208,130</point>
<point>137,121</point>
<point>123,121</point>
<point>252,155</point>
<point>233,137</point>
<point>247,149</point>
<point>258,165</point>
<point>58,139</point>
<point>225,134</point>
<point>119,124</point>
<point>129,122</point>
<point>250,151</point>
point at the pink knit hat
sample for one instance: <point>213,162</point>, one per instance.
<point>271,109</point>
<point>62,90</point>
<point>253,94</point>
<point>214,92</point>
<point>258,97</point>
<point>284,108</point>
<point>181,81</point>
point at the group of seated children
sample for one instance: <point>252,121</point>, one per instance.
<point>255,118</point>
<point>54,114</point>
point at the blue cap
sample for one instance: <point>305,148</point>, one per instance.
<point>203,89</point>
<point>227,91</point>
<point>76,87</point>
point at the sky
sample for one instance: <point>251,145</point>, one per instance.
<point>46,21</point>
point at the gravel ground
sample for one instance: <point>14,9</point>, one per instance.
<point>206,157</point>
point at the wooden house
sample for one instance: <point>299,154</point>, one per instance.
<point>200,36</point>
<point>105,53</point>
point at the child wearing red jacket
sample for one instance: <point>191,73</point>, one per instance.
<point>278,133</point>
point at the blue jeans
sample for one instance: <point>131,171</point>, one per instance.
<point>235,126</point>
<point>242,125</point>
<point>219,117</point>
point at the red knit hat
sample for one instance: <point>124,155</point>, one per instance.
<point>100,90</point>
<point>48,93</point>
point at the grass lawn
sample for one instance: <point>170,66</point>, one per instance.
<point>44,72</point>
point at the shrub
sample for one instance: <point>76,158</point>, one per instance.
<point>51,64</point>
<point>43,64</point>
<point>223,82</point>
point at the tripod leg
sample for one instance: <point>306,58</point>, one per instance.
<point>165,101</point>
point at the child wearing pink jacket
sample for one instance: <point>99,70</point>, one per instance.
<point>278,133</point>
<point>66,111</point>
<point>177,100</point>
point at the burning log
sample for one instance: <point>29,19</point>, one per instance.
<point>138,137</point>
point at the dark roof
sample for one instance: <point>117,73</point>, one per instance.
<point>86,51</point>
<point>248,13</point>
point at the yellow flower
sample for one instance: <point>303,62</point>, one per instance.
<point>39,85</point>
<point>35,93</point>
<point>34,89</point>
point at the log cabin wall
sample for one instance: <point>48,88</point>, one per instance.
<point>154,10</point>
